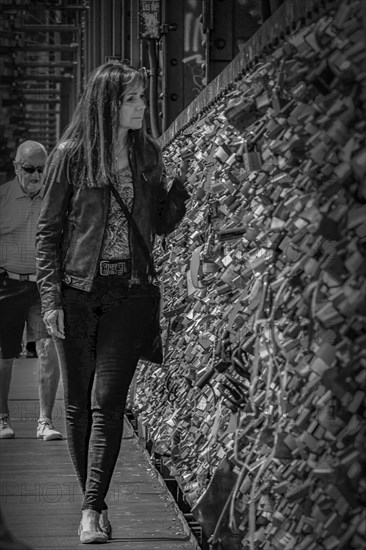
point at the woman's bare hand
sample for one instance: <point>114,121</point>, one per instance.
<point>54,321</point>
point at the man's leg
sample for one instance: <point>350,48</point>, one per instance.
<point>49,370</point>
<point>13,306</point>
<point>49,376</point>
<point>6,369</point>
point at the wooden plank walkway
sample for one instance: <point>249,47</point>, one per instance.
<point>40,497</point>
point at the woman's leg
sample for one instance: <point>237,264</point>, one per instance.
<point>77,363</point>
<point>119,338</point>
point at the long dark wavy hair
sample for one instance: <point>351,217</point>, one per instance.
<point>88,139</point>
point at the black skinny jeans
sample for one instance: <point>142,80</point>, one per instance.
<point>104,331</point>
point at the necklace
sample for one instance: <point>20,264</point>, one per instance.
<point>121,159</point>
<point>122,150</point>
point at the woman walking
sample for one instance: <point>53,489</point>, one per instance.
<point>94,274</point>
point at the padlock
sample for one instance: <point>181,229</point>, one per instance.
<point>252,159</point>
<point>240,113</point>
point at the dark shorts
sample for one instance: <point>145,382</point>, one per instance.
<point>19,304</point>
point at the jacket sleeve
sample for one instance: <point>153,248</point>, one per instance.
<point>51,222</point>
<point>171,206</point>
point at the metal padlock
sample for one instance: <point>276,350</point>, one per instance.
<point>252,159</point>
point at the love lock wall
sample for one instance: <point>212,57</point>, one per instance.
<point>259,409</point>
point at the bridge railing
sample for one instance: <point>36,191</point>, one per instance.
<point>290,16</point>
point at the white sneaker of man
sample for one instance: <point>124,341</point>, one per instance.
<point>47,431</point>
<point>6,431</point>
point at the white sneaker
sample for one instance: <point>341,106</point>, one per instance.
<point>6,431</point>
<point>46,431</point>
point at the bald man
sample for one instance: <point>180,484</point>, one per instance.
<point>20,203</point>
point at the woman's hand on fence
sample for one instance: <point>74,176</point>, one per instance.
<point>54,321</point>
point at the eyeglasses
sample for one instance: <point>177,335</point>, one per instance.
<point>31,169</point>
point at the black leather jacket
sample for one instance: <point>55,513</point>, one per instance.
<point>73,218</point>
